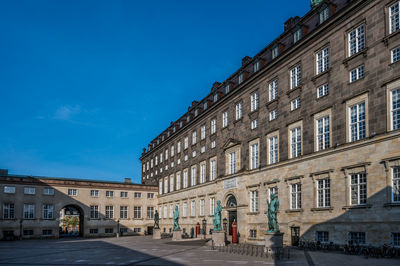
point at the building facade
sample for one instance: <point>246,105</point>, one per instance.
<point>314,117</point>
<point>37,207</point>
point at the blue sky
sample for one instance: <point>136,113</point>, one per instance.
<point>85,85</point>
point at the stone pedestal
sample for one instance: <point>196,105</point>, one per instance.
<point>157,233</point>
<point>273,240</point>
<point>177,235</point>
<point>219,238</point>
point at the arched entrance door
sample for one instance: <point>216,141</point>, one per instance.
<point>231,207</point>
<point>71,221</point>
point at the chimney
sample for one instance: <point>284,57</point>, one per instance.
<point>3,171</point>
<point>128,180</point>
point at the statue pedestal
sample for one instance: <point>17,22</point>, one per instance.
<point>273,240</point>
<point>219,238</point>
<point>157,233</point>
<point>177,235</point>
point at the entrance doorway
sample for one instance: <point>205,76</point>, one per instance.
<point>295,233</point>
<point>71,221</point>
<point>231,207</point>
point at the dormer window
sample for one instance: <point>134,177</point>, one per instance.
<point>196,112</point>
<point>205,106</point>
<point>241,77</point>
<point>215,98</point>
<point>168,134</point>
<point>180,124</point>
<point>158,141</point>
<point>187,119</point>
<point>275,51</point>
<point>173,129</point>
<point>227,88</point>
<point>256,66</point>
<point>297,35</point>
<point>323,14</point>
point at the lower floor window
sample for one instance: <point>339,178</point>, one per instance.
<point>109,230</point>
<point>47,232</point>
<point>396,239</point>
<point>28,232</point>
<point>322,236</point>
<point>123,230</point>
<point>357,237</point>
<point>253,233</point>
<point>93,231</point>
<point>138,230</point>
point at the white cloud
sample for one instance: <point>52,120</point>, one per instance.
<point>66,112</point>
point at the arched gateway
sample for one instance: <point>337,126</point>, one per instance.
<point>231,207</point>
<point>71,221</point>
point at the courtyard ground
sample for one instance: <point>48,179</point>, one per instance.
<point>142,250</point>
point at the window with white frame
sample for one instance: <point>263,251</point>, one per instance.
<point>150,212</point>
<point>323,193</point>
<point>295,77</point>
<point>394,15</point>
<point>202,173</point>
<point>396,184</point>
<point>253,233</point>
<point>178,147</point>
<point>194,177</point>
<point>275,51</point>
<point>171,183</point>
<point>171,211</point>
<point>395,239</point>
<point>322,236</point>
<point>395,54</point>
<point>178,181</point>
<point>254,156</point>
<point>29,190</point>
<point>295,191</point>
<point>295,104</point>
<point>48,211</point>
<point>172,150</point>
<point>186,143</point>
<point>395,109</point>
<point>124,194</point>
<point>160,188</point>
<point>357,125</point>
<point>213,144</point>
<point>254,101</point>
<point>193,208</point>
<point>72,192</point>
<point>161,157</point>
<point>194,154</point>
<point>357,238</point>
<point>48,191</point>
<point>215,97</point>
<point>295,142</point>
<point>358,189</point>
<point>297,35</point>
<point>213,126</point>
<point>201,207</point>
<point>227,88</point>
<point>272,190</point>
<point>8,211</point>
<point>273,90</point>
<point>196,112</point>
<point>323,90</point>
<point>194,137</point>
<point>241,77</point>
<point>212,206</point>
<point>184,209</point>
<point>94,212</point>
<point>203,149</point>
<point>224,119</point>
<point>109,212</point>
<point>166,185</point>
<point>254,201</point>
<point>165,211</point>
<point>273,114</point>
<point>356,40</point>
<point>357,73</point>
<point>232,162</point>
<point>322,60</point>
<point>144,167</point>
<point>213,169</point>
<point>273,149</point>
<point>323,138</point>
<point>203,132</point>
<point>148,165</point>
<point>160,212</point>
<point>323,14</point>
<point>137,212</point>
<point>256,66</point>
<point>254,124</point>
<point>123,212</point>
<point>185,178</point>
<point>156,161</point>
<point>238,111</point>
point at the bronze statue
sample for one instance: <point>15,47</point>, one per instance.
<point>273,208</point>
<point>217,217</point>
<point>176,218</point>
<point>156,219</point>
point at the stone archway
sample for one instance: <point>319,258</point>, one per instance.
<point>231,208</point>
<point>71,221</point>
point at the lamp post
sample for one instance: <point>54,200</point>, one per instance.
<point>204,221</point>
<point>118,228</point>
<point>225,223</point>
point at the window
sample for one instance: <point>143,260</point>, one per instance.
<point>124,194</point>
<point>94,193</point>
<point>94,212</point>
<point>123,212</point>
<point>194,154</point>
<point>93,231</point>
<point>196,112</point>
<point>109,194</point>
<point>185,178</point>
<point>8,211</point>
<point>254,201</point>
<point>171,211</point>
<point>295,104</point>
<point>272,190</point>
<point>160,190</point>
<point>357,122</point>
<point>323,193</point>
<point>295,77</point>
<point>256,66</point>
<point>225,119</point>
<point>150,212</point>
<point>254,101</point>
<point>188,119</point>
<point>297,36</point>
<point>322,61</point>
<point>323,133</point>
<point>166,154</point>
<point>323,90</point>
<point>165,211</point>
<point>156,162</point>
<point>275,51</point>
<point>203,149</point>
<point>150,195</point>
<point>48,191</point>
<point>395,109</point>
<point>395,239</point>
<point>213,126</point>
<point>253,233</point>
<point>193,208</point>
<point>273,149</point>
<point>161,157</point>
<point>356,39</point>
<point>254,156</point>
<point>232,163</point>
<point>172,151</point>
<point>135,195</point>
<point>394,15</point>
<point>358,189</point>
<point>137,230</point>
<point>109,212</point>
<point>396,184</point>
<point>178,147</point>
<point>323,15</point>
<point>137,212</point>
<point>295,142</point>
<point>357,73</point>
<point>194,177</point>
<point>215,97</point>
<point>47,232</point>
<point>213,144</point>
<point>48,211</point>
<point>29,211</point>
<point>213,169</point>
<point>227,88</point>
<point>166,185</point>
<point>202,173</point>
<point>151,163</point>
<point>322,236</point>
<point>72,192</point>
<point>357,237</point>
<point>194,137</point>
<point>184,209</point>
<point>240,78</point>
<point>29,190</point>
<point>273,114</point>
<point>178,181</point>
<point>28,232</point>
<point>212,206</point>
<point>295,191</point>
<point>203,132</point>
<point>273,90</point>
<point>202,207</point>
<point>396,55</point>
<point>109,230</point>
<point>238,111</point>
<point>254,124</point>
<point>186,143</point>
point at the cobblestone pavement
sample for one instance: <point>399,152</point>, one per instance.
<point>140,250</point>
